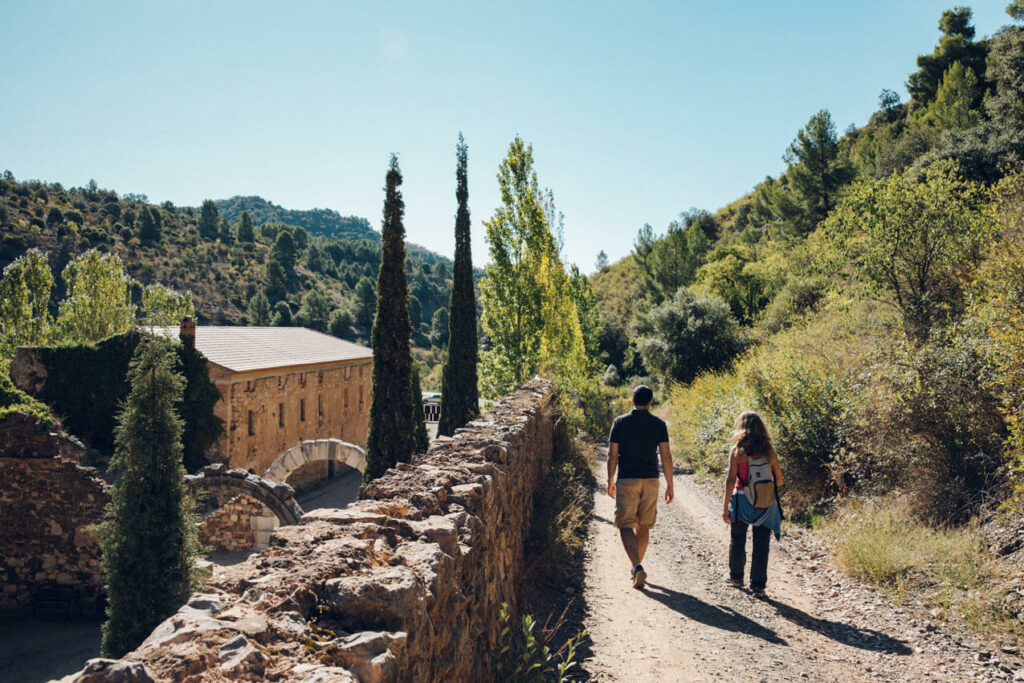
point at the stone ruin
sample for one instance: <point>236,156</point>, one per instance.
<point>48,500</point>
<point>403,585</point>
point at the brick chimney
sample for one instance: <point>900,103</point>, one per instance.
<point>188,332</point>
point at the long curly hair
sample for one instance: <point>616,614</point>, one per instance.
<point>751,438</point>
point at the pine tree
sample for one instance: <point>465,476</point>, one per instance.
<point>148,538</point>
<point>419,420</point>
<point>209,219</point>
<point>459,392</point>
<point>391,437</point>
<point>246,231</point>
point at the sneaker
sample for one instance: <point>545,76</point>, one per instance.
<point>639,576</point>
<point>735,583</point>
<point>759,593</point>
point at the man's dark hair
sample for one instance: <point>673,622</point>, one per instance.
<point>642,395</point>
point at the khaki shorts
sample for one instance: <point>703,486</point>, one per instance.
<point>636,502</point>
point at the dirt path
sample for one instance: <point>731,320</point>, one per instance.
<point>688,625</point>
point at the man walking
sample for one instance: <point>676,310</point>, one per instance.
<point>635,441</point>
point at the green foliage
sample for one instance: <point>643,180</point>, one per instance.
<point>954,106</point>
<point>523,657</point>
<point>246,229</point>
<point>258,311</point>
<point>209,220</point>
<point>164,306</point>
<point>366,302</point>
<point>324,222</point>
<point>24,302</point>
<point>529,313</point>
<point>282,315</point>
<point>688,335</point>
<point>285,249</point>
<point>98,303</point>
<point>1006,70</point>
<point>804,399</point>
<point>703,414</point>
<point>340,323</point>
<point>148,224</point>
<point>955,45</point>
<point>391,436</point>
<point>148,537</point>
<point>439,328</point>
<point>14,400</point>
<point>914,240</point>
<point>421,440</point>
<point>459,382</point>
<point>315,311</point>
<point>671,261</point>
<point>86,384</point>
<point>816,173</point>
<point>997,306</point>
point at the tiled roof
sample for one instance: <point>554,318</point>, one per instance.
<point>260,348</point>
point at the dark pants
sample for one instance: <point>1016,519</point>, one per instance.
<point>738,554</point>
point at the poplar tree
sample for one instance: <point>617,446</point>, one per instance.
<point>391,437</point>
<point>459,392</point>
<point>148,537</point>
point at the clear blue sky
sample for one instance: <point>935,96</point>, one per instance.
<point>636,110</point>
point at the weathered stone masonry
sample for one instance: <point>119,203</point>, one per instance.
<point>404,584</point>
<point>47,499</point>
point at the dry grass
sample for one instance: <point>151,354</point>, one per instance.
<point>946,569</point>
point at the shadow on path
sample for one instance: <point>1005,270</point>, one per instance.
<point>862,638</point>
<point>713,615</point>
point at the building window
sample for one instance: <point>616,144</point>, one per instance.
<point>319,406</point>
<point>346,397</point>
<point>348,372</point>
<point>280,415</point>
<point>360,372</point>
<point>302,410</point>
<point>360,397</point>
<point>252,431</point>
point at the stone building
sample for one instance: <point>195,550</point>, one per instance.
<point>280,386</point>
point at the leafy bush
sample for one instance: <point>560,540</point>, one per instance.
<point>703,414</point>
<point>797,296</point>
<point>805,401</point>
<point>688,335</point>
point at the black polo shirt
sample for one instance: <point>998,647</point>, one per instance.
<point>638,434</point>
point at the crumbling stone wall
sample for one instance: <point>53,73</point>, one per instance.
<point>241,524</point>
<point>47,499</point>
<point>403,585</point>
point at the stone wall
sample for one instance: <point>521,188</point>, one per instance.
<point>47,499</point>
<point>403,585</point>
<point>266,413</point>
<point>241,524</point>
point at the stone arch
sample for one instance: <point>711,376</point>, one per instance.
<point>222,484</point>
<point>311,451</point>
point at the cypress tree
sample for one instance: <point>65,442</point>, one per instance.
<point>459,393</point>
<point>421,440</point>
<point>148,538</point>
<point>391,437</point>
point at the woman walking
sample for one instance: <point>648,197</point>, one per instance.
<point>751,499</point>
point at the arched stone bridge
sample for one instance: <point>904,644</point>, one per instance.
<point>221,484</point>
<point>331,450</point>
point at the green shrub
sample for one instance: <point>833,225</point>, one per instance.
<point>702,417</point>
<point>804,400</point>
<point>799,295</point>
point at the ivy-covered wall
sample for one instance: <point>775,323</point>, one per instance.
<point>84,385</point>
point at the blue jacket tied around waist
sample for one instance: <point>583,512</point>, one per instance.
<point>740,510</point>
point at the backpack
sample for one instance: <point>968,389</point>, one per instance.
<point>760,489</point>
